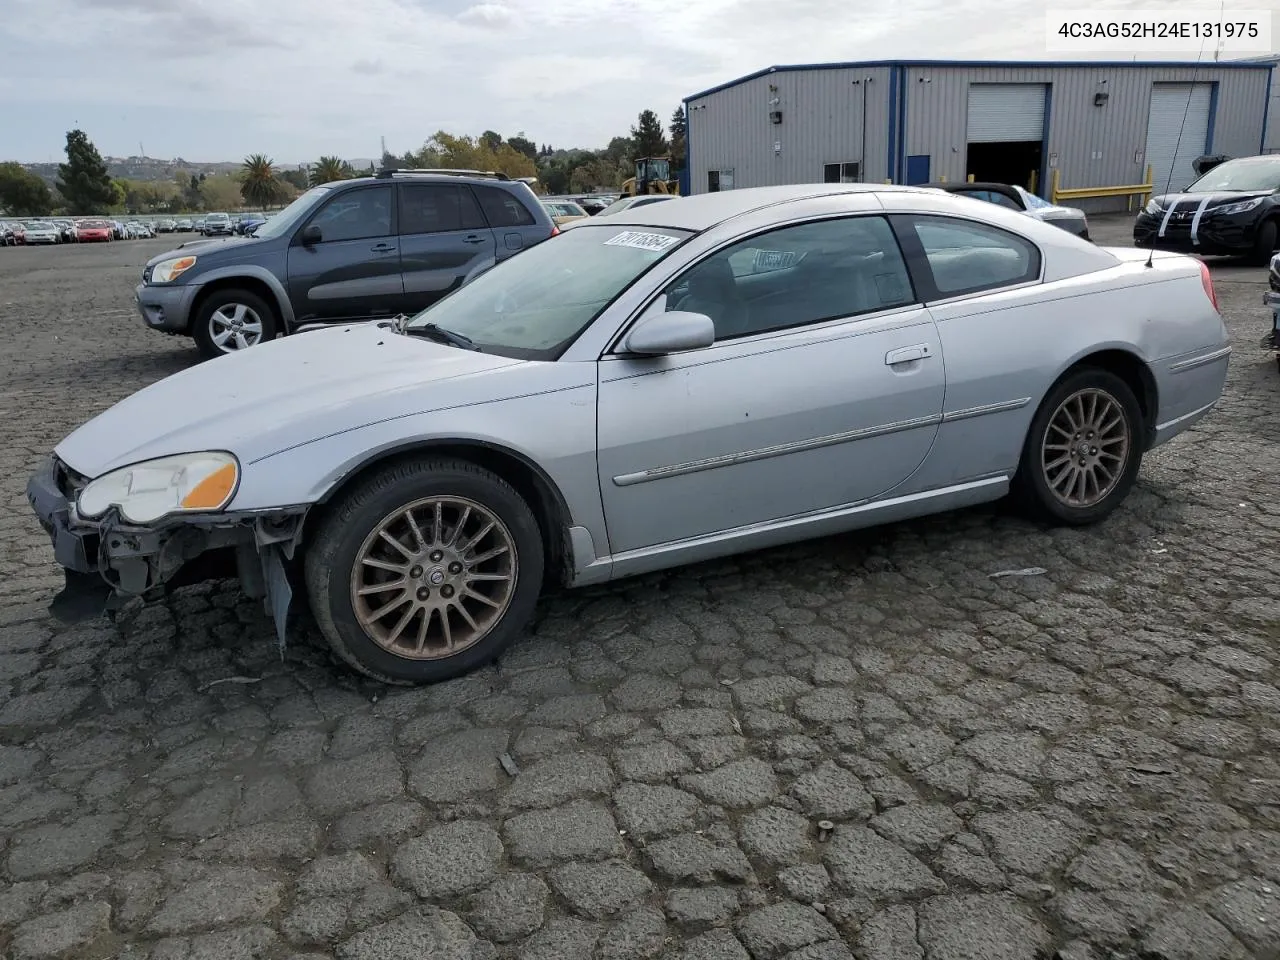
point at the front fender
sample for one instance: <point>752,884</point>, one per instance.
<point>236,271</point>
<point>554,431</point>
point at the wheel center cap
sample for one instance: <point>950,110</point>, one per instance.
<point>1083,450</point>
<point>435,577</point>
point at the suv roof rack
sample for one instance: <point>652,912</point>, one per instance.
<point>388,172</point>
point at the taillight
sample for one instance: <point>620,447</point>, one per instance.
<point>1207,280</point>
<point>555,231</point>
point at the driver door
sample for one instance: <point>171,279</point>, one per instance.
<point>353,272</point>
<point>824,388</point>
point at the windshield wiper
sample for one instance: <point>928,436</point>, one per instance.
<point>439,334</point>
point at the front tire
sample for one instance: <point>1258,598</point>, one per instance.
<point>1083,450</point>
<point>425,571</point>
<point>1264,244</point>
<point>232,320</point>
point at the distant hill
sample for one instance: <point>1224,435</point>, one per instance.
<point>151,168</point>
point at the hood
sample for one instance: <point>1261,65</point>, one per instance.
<point>1216,198</point>
<point>280,394</point>
<point>204,245</point>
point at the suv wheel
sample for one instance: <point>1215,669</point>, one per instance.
<point>232,320</point>
<point>425,571</point>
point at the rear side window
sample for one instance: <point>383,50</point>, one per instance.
<point>966,257</point>
<point>503,209</point>
<point>438,208</point>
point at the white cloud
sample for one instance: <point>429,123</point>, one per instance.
<point>297,78</point>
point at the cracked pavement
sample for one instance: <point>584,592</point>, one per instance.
<point>1083,763</point>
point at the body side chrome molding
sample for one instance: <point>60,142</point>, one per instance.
<point>1182,366</point>
<point>813,443</point>
<point>1186,416</point>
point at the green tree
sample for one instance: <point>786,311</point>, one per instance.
<point>22,193</point>
<point>329,169</point>
<point>647,137</point>
<point>296,179</point>
<point>520,144</point>
<point>220,193</point>
<point>678,129</point>
<point>491,141</point>
<point>83,180</point>
<point>258,184</point>
<point>469,153</point>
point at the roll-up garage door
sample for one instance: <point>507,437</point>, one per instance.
<point>1170,103</point>
<point>1006,112</point>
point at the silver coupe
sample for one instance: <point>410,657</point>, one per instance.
<point>669,384</point>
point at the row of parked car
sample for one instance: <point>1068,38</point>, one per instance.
<point>87,230</point>
<point>80,230</point>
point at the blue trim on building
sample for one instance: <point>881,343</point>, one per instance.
<point>686,187</point>
<point>902,126</point>
<point>1213,117</point>
<point>893,123</point>
<point>1266,111</point>
<point>978,64</point>
<point>1044,143</point>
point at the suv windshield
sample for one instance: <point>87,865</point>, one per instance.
<point>537,303</point>
<point>1251,174</point>
<point>286,219</point>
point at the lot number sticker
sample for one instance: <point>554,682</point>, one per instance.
<point>641,241</point>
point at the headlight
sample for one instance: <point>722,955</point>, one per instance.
<point>1244,206</point>
<point>189,482</point>
<point>167,271</point>
<point>1152,207</point>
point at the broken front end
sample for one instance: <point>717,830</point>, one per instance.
<point>109,557</point>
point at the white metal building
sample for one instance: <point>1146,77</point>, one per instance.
<point>1098,123</point>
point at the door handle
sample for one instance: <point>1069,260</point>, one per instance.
<point>473,239</point>
<point>906,354</point>
<point>383,248</point>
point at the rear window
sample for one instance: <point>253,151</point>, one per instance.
<point>503,209</point>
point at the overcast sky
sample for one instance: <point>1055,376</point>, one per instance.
<point>217,79</point>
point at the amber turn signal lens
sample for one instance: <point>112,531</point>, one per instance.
<point>213,491</point>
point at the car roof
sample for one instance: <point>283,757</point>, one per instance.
<point>704,210</point>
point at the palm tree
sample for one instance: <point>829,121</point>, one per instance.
<point>260,187</point>
<point>329,169</point>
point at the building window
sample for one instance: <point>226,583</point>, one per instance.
<point>840,173</point>
<point>718,180</point>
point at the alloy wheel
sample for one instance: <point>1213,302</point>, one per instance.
<point>1086,448</point>
<point>235,326</point>
<point>433,578</point>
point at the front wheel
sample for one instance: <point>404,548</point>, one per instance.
<point>1264,244</point>
<point>231,320</point>
<point>425,571</point>
<point>1083,451</point>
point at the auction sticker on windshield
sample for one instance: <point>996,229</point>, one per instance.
<point>641,241</point>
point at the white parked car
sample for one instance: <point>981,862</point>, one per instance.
<point>42,231</point>
<point>652,388</point>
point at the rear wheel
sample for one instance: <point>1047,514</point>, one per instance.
<point>425,571</point>
<point>1083,451</point>
<point>232,320</point>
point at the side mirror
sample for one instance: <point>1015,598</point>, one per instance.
<point>311,235</point>
<point>661,333</point>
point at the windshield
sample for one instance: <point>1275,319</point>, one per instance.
<point>1252,174</point>
<point>618,205</point>
<point>537,303</point>
<point>1032,201</point>
<point>287,219</point>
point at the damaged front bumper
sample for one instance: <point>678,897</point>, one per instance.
<point>109,560</point>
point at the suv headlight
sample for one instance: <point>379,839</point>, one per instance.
<point>147,491</point>
<point>1244,206</point>
<point>166,271</point>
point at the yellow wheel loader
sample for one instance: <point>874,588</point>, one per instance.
<point>653,175</point>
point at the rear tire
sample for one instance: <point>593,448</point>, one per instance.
<point>1083,450</point>
<point>1264,244</point>
<point>214,327</point>
<point>465,577</point>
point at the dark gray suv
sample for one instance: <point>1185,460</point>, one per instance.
<point>351,250</point>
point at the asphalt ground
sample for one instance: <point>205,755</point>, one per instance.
<point>1082,761</point>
